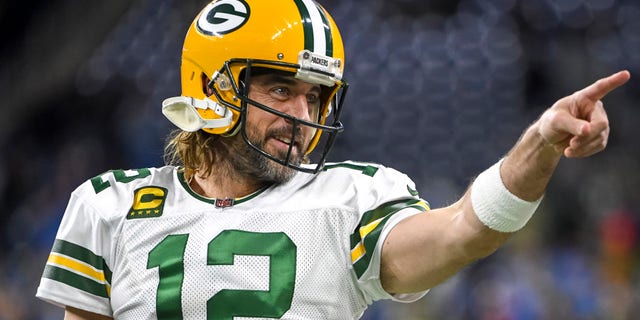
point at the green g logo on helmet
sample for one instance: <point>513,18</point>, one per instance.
<point>223,16</point>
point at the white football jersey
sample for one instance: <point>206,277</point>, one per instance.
<point>140,244</point>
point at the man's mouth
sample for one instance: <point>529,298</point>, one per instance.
<point>283,143</point>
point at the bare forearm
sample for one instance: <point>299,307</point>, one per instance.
<point>528,167</point>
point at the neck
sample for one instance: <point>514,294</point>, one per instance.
<point>223,185</point>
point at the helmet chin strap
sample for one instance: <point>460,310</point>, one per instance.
<point>181,111</point>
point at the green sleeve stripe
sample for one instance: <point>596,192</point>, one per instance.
<point>361,265</point>
<point>386,210</point>
<point>107,274</point>
<point>76,281</point>
<point>80,253</point>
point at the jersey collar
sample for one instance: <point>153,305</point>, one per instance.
<point>218,202</point>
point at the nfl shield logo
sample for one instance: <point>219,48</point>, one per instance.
<point>224,203</point>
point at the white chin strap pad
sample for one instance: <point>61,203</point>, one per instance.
<point>181,111</point>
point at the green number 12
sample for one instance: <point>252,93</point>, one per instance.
<point>168,256</point>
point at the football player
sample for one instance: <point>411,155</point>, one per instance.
<point>245,221</point>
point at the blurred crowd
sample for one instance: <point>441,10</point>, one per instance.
<point>439,90</point>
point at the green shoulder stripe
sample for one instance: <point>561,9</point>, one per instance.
<point>367,170</point>
<point>82,254</point>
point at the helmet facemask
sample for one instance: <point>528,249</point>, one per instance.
<point>234,94</point>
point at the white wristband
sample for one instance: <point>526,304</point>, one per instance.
<point>495,206</point>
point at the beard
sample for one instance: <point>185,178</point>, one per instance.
<point>248,162</point>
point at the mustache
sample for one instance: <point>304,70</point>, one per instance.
<point>295,135</point>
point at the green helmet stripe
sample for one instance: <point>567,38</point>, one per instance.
<point>327,31</point>
<point>317,35</point>
<point>306,25</point>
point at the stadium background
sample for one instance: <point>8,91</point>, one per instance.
<point>439,89</point>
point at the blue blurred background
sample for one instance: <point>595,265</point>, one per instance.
<point>440,89</point>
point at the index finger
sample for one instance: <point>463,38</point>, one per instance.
<point>602,87</point>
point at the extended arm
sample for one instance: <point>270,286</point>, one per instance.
<point>424,250</point>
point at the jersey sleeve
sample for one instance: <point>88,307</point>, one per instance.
<point>391,198</point>
<point>76,272</point>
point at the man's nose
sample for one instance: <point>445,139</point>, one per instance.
<point>299,107</point>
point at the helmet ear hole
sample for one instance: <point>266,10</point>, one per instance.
<point>206,88</point>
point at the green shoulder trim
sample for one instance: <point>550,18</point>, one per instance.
<point>367,170</point>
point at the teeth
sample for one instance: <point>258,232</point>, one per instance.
<point>285,140</point>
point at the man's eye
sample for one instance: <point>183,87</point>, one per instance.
<point>281,91</point>
<point>312,98</point>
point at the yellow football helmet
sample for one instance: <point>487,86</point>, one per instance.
<point>229,38</point>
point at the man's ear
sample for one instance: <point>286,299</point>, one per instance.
<point>206,89</point>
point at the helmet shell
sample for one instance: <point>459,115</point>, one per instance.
<point>254,30</point>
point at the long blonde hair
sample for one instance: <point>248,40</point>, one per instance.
<point>194,151</point>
